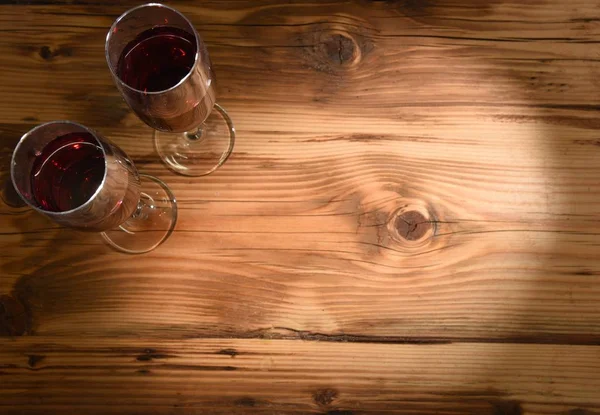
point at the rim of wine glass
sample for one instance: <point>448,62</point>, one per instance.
<point>63,212</point>
<point>142,6</point>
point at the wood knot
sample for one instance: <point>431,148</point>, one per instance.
<point>340,49</point>
<point>325,396</point>
<point>333,49</point>
<point>13,318</point>
<point>48,54</point>
<point>34,359</point>
<point>412,225</point>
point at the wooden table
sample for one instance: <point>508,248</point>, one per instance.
<point>409,224</point>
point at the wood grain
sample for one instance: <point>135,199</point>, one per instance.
<point>134,376</point>
<point>405,172</point>
<point>479,117</point>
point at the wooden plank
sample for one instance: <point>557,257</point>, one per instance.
<point>134,376</point>
<point>481,118</point>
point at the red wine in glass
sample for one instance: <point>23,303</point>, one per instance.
<point>67,172</point>
<point>157,60</point>
<point>161,66</point>
<point>79,179</point>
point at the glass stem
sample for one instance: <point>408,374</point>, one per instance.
<point>139,213</point>
<point>195,135</point>
<point>138,210</point>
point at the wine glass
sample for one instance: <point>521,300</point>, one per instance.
<point>81,180</point>
<point>8,194</point>
<point>161,66</point>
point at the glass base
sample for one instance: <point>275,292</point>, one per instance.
<point>153,222</point>
<point>201,152</point>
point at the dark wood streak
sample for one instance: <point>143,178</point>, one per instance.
<point>245,401</point>
<point>579,411</point>
<point>229,352</point>
<point>150,357</point>
<point>506,408</point>
<point>286,333</point>
<point>339,412</point>
<point>152,367</point>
